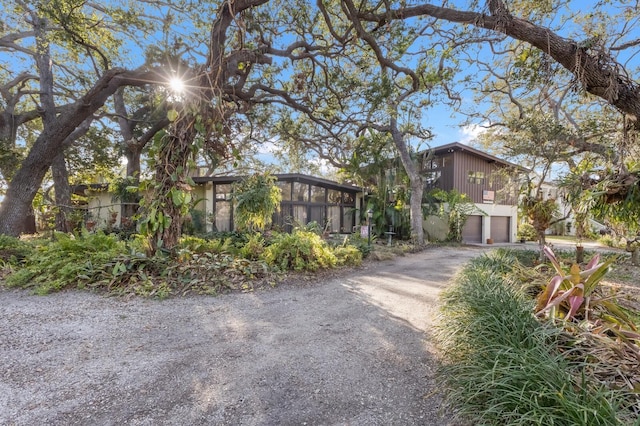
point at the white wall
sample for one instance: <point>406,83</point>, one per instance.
<point>101,206</point>
<point>499,210</point>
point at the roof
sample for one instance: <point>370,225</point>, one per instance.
<point>457,146</point>
<point>285,177</point>
<point>82,188</point>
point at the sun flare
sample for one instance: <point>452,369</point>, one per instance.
<point>177,85</point>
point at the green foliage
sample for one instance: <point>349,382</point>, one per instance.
<point>300,251</point>
<point>455,208</point>
<point>197,225</point>
<point>254,248</point>
<point>501,366</point>
<point>13,250</point>
<point>347,255</point>
<point>312,226</point>
<point>527,232</point>
<point>610,241</point>
<point>125,189</point>
<point>190,244</point>
<point>540,212</point>
<point>68,262</point>
<point>573,295</point>
<point>362,244</point>
<point>256,199</point>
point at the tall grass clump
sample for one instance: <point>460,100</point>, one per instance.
<point>501,366</point>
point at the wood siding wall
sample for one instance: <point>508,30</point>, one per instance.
<point>463,163</point>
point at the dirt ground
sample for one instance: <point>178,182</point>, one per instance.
<point>353,349</point>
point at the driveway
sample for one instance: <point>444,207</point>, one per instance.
<point>353,349</point>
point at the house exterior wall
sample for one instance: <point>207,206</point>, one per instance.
<point>498,210</point>
<point>307,199</point>
<point>304,199</point>
<point>100,208</point>
<point>473,175</point>
<point>485,179</point>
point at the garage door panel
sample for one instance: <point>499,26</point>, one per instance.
<point>500,229</point>
<point>472,231</point>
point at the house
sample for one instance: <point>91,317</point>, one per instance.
<point>490,182</point>
<point>304,199</point>
<point>567,224</point>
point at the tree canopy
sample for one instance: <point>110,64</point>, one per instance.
<point>329,77</point>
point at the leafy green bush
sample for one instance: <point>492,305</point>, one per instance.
<point>254,248</point>
<point>347,255</point>
<point>362,244</point>
<point>256,198</point>
<point>527,232</point>
<point>299,251</point>
<point>502,366</point>
<point>13,250</point>
<point>193,244</point>
<point>67,262</point>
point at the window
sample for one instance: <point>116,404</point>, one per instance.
<point>300,192</point>
<point>348,199</point>
<point>431,179</point>
<point>285,188</point>
<point>223,215</point>
<point>334,196</point>
<point>476,177</point>
<point>436,163</point>
<point>334,218</point>
<point>223,191</point>
<point>300,215</point>
<point>317,194</point>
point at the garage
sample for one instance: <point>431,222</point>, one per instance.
<point>472,231</point>
<point>500,229</point>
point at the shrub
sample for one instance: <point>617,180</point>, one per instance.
<point>362,244</point>
<point>13,250</point>
<point>68,262</point>
<point>200,245</point>
<point>256,198</point>
<point>347,255</point>
<point>212,273</point>
<point>502,366</point>
<point>527,232</point>
<point>299,251</point>
<point>254,248</point>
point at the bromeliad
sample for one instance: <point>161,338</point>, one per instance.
<point>574,287</point>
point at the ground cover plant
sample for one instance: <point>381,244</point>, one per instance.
<point>502,364</point>
<point>224,262</point>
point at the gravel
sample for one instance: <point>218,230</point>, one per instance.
<point>352,349</point>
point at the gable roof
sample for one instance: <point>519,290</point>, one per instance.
<point>457,146</point>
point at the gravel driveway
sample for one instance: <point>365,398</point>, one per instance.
<point>348,350</point>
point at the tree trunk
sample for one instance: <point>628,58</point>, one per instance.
<point>542,241</point>
<point>417,188</point>
<point>27,180</point>
<point>579,254</point>
<point>171,173</point>
<point>129,205</point>
<point>62,194</point>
